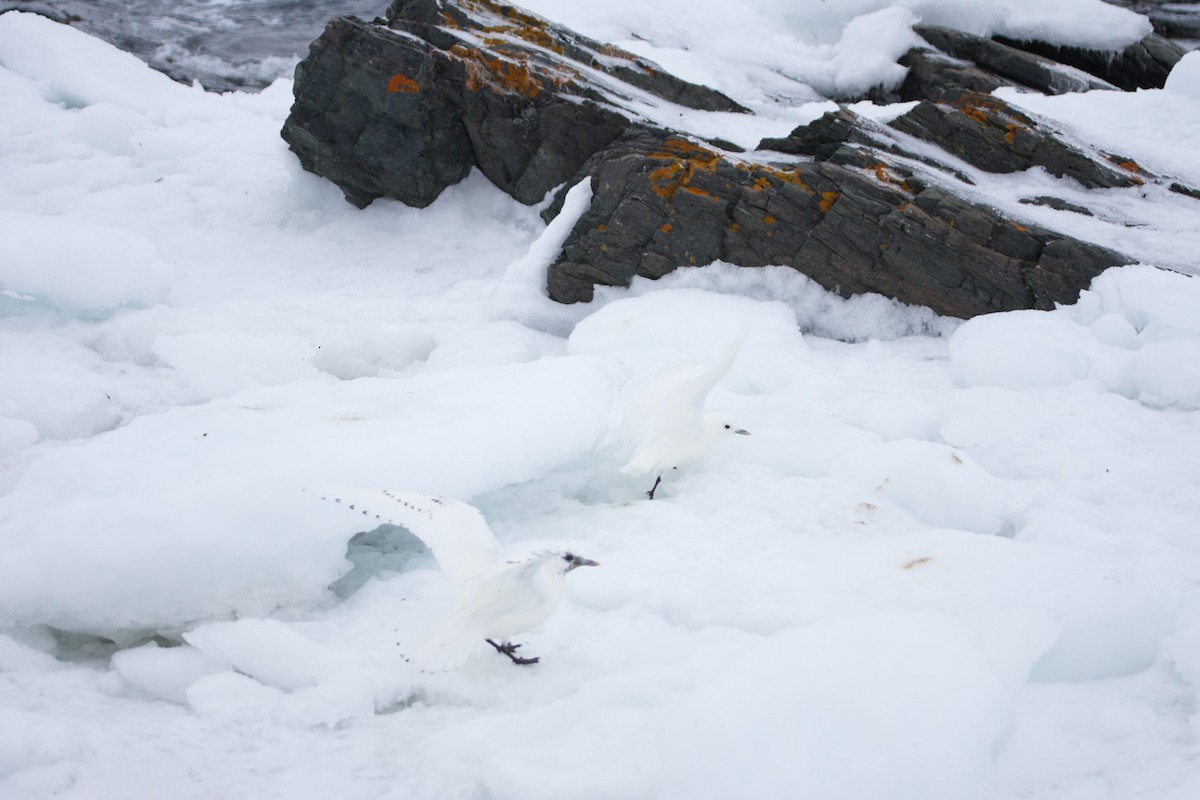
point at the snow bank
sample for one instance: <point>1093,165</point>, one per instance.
<point>774,51</point>
<point>821,609</point>
<point>1134,332</point>
<point>77,70</point>
<point>862,707</point>
<point>818,310</point>
<point>940,486</point>
<point>1184,79</point>
<point>80,268</point>
<point>196,513</point>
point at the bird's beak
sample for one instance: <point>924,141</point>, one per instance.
<point>585,562</point>
<point>742,432</point>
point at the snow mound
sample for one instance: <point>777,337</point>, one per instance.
<point>198,512</point>
<point>937,484</point>
<point>863,707</point>
<point>1184,79</point>
<point>1134,332</point>
<point>79,268</point>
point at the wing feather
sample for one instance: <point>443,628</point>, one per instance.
<point>681,393</point>
<point>455,532</point>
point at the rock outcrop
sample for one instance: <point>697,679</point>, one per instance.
<point>405,106</point>
<point>870,228</point>
<point>408,104</point>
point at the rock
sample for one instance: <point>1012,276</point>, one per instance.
<point>851,229</point>
<point>1056,202</point>
<point>1144,64</point>
<point>990,134</point>
<point>993,58</point>
<point>932,74</point>
<point>406,106</point>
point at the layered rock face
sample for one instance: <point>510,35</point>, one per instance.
<point>860,226</point>
<point>405,106</point>
<point>408,104</point>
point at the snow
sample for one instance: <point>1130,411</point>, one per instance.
<point>955,559</point>
<point>773,50</point>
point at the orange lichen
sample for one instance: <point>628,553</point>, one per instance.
<point>1010,134</point>
<point>1018,226</point>
<point>683,159</point>
<point>1133,167</point>
<point>883,176</point>
<point>540,37</point>
<point>665,227</point>
<point>827,201</point>
<point>786,176</point>
<point>400,83</point>
<point>612,51</point>
<point>697,192</point>
<point>602,227</point>
<point>977,106</point>
<point>735,227</point>
<point>498,74</point>
<point>768,219</point>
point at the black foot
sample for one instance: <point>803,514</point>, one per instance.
<point>657,481</point>
<point>509,649</point>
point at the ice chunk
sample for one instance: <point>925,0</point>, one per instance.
<point>79,267</point>
<point>265,649</point>
<point>165,672</point>
<point>1184,79</point>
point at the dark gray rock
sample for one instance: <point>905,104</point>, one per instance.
<point>406,108</point>
<point>1003,62</point>
<point>409,104</point>
<point>1056,202</point>
<point>932,75</point>
<point>990,134</point>
<point>850,230</point>
<point>1144,64</point>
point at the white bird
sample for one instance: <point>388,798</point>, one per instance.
<point>670,414</point>
<point>497,597</point>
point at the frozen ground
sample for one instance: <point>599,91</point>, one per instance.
<point>954,560</point>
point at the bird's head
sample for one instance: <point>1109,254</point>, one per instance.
<point>570,561</point>
<point>722,426</point>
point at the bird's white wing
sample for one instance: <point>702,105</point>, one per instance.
<point>456,532</point>
<point>677,398</point>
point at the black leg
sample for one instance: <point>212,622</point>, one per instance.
<point>509,649</point>
<point>657,481</point>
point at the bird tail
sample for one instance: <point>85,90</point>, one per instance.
<point>451,644</point>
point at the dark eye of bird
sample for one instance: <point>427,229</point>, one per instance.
<point>570,557</point>
<point>727,427</point>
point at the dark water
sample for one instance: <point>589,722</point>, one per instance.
<point>225,44</point>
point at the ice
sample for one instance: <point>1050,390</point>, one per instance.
<point>1184,79</point>
<point>956,559</point>
<point>942,487</point>
<point>165,672</point>
<point>264,649</point>
<point>783,49</point>
<point>864,708</point>
<point>77,267</point>
<point>209,538</point>
<point>1019,350</point>
<point>76,70</point>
